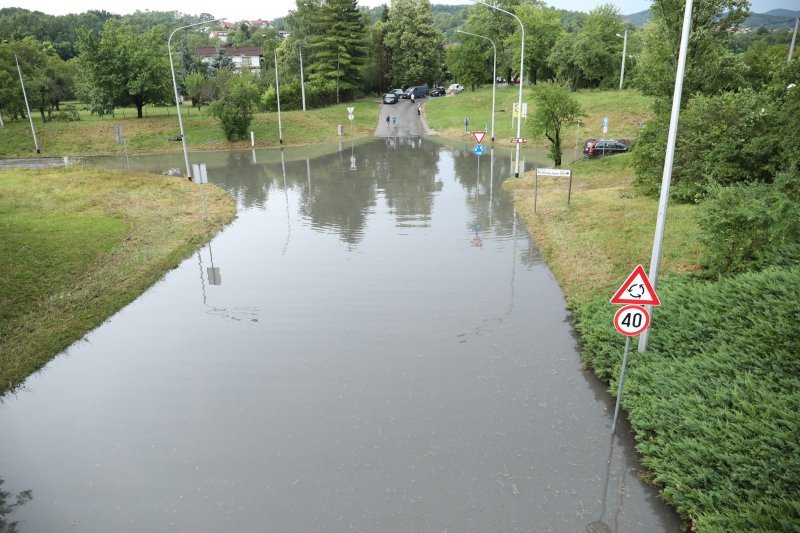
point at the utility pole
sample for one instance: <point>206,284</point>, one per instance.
<point>25,96</point>
<point>624,53</point>
<point>666,177</point>
<point>794,39</point>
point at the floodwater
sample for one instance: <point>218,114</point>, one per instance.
<point>374,344</point>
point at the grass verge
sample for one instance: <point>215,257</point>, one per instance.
<point>625,110</point>
<point>97,136</point>
<point>715,400</point>
<point>79,244</point>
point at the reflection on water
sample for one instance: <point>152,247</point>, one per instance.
<point>373,344</point>
<point>9,502</point>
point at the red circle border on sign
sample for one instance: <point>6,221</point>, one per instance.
<point>627,307</point>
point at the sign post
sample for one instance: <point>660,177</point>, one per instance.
<point>557,172</point>
<point>632,319</point>
<point>350,117</point>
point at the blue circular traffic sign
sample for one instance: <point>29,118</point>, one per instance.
<point>478,150</point>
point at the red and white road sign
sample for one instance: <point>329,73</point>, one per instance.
<point>631,320</point>
<point>637,289</point>
<point>479,135</point>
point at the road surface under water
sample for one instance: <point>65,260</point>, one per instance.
<point>374,344</point>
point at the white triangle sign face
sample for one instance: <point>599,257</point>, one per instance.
<point>479,135</point>
<point>350,110</point>
<point>637,289</point>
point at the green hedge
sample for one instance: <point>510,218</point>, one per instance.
<point>715,401</point>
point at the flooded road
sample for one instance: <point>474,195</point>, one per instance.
<point>374,344</point>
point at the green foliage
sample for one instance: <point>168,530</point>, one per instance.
<point>715,401</point>
<point>724,139</point>
<point>554,108</point>
<point>235,105</point>
<point>337,46</point>
<point>468,61</point>
<point>122,67</point>
<point>707,52</point>
<point>415,45</point>
<point>751,226</point>
<point>542,28</point>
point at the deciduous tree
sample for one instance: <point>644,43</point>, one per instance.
<point>554,107</point>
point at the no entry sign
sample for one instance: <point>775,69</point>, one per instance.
<point>631,320</point>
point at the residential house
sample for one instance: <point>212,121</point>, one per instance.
<point>222,35</point>
<point>245,57</point>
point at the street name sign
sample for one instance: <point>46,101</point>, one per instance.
<point>479,135</point>
<point>518,140</point>
<point>637,289</point>
<point>553,172</point>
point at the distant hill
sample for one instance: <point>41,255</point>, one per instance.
<point>638,19</point>
<point>783,13</point>
<point>774,19</point>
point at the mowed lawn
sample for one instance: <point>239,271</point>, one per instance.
<point>79,244</point>
<point>94,135</point>
<point>627,111</point>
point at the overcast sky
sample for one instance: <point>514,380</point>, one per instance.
<point>278,8</point>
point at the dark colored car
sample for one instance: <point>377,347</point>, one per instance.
<point>437,91</point>
<point>390,98</point>
<point>398,92</point>
<point>420,91</point>
<point>602,147</point>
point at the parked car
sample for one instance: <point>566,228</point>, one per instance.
<point>398,92</point>
<point>390,98</point>
<point>420,91</point>
<point>601,147</point>
<point>455,88</point>
<point>437,91</point>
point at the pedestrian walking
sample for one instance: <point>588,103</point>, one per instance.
<point>394,120</point>
<point>388,118</point>
<point>466,124</point>
<point>412,98</point>
<point>419,110</point>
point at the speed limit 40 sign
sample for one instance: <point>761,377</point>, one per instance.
<point>631,320</point>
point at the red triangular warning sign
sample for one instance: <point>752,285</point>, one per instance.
<point>637,289</point>
<point>479,135</point>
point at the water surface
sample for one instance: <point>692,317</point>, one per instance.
<point>374,344</point>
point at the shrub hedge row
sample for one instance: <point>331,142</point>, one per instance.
<point>715,401</point>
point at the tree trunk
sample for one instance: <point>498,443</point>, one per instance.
<point>139,106</point>
<point>557,148</point>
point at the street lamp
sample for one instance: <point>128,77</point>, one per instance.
<point>521,67</point>
<point>278,94</point>
<point>175,86</point>
<point>494,71</point>
<point>624,52</point>
<point>25,96</point>
<point>794,39</point>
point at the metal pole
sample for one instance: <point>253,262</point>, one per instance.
<point>794,39</point>
<point>666,178</point>
<point>624,52</point>
<point>621,379</point>
<point>494,71</point>
<point>177,98</point>
<point>302,79</point>
<point>521,67</point>
<point>27,107</point>
<point>278,94</point>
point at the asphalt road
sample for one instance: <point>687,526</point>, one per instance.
<point>407,124</point>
